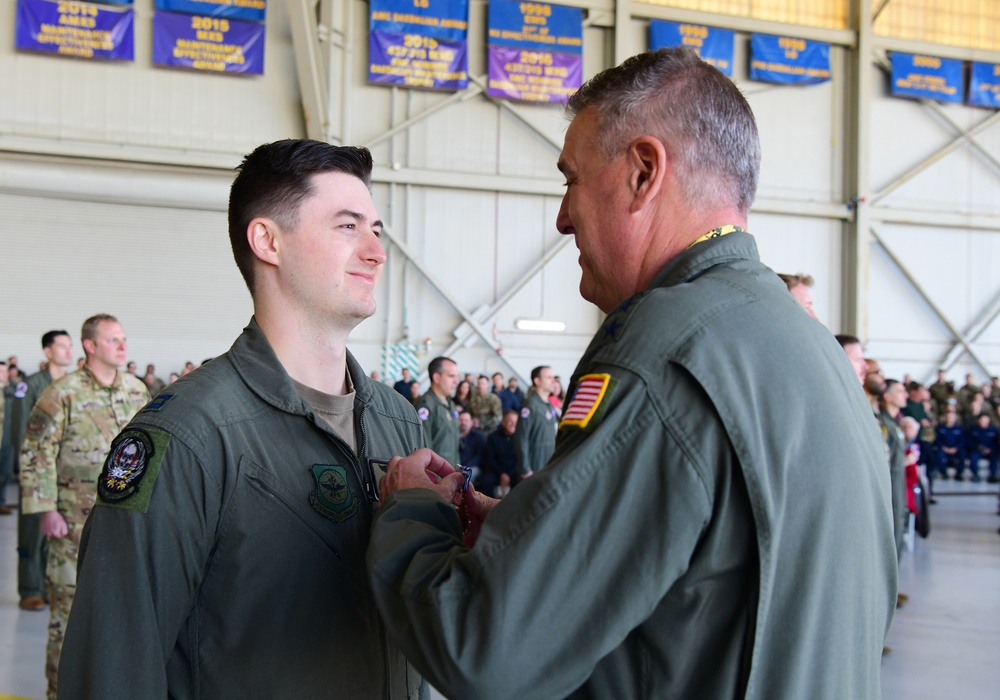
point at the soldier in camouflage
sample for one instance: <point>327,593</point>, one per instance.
<point>68,435</point>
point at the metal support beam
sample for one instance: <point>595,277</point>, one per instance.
<point>976,222</point>
<point>962,138</point>
<point>857,245</point>
<point>483,333</point>
<point>959,336</point>
<point>311,68</point>
<point>491,311</point>
<point>976,329</point>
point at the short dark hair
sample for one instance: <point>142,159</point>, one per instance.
<point>844,339</point>
<point>50,337</point>
<point>537,372</point>
<point>275,178</point>
<point>436,366</point>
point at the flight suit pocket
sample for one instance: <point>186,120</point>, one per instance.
<point>265,500</point>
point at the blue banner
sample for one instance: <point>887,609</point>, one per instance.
<point>788,60</point>
<point>413,60</point>
<point>215,44</point>
<point>535,26</point>
<point>78,29</point>
<point>930,77</point>
<point>441,19</point>
<point>419,43</point>
<point>535,51</point>
<point>714,45</point>
<point>251,10</point>
<point>984,85</point>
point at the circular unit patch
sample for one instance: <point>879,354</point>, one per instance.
<point>126,465</point>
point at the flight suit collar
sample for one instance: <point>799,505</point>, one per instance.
<point>692,262</point>
<point>258,366</point>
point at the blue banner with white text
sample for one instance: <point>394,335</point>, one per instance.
<point>984,84</point>
<point>75,29</point>
<point>250,10</point>
<point>535,51</point>
<point>929,77</point>
<point>214,44</point>
<point>714,45</point>
<point>788,60</point>
<point>419,43</point>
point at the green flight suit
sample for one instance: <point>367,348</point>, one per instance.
<point>535,435</point>
<point>225,557</point>
<point>706,528</point>
<point>440,421</point>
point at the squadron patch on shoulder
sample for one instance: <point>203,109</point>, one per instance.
<point>131,468</point>
<point>525,412</point>
<point>585,408</point>
<point>20,390</point>
<point>332,497</point>
<point>37,423</point>
<point>423,413</point>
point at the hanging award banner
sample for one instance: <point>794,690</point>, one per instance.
<point>76,29</point>
<point>714,45</point>
<point>535,51</point>
<point>250,10</point>
<point>419,43</point>
<point>788,60</point>
<point>984,85</point>
<point>214,44</point>
<point>929,77</point>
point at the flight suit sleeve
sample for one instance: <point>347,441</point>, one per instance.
<point>39,454</point>
<point>142,561</point>
<point>566,566</point>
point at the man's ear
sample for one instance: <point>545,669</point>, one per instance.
<point>264,236</point>
<point>649,164</point>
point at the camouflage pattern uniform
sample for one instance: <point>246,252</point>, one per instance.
<point>486,409</point>
<point>68,435</point>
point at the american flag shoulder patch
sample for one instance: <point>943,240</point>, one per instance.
<point>590,391</point>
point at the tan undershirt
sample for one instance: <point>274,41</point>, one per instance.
<point>336,411</point>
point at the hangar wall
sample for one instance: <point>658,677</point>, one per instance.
<point>114,178</point>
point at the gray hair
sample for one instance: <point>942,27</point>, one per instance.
<point>701,117</point>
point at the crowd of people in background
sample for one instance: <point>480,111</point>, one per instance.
<point>503,433</point>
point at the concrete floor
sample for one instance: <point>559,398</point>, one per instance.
<point>945,641</point>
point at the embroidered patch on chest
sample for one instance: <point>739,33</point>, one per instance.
<point>585,406</point>
<point>332,496</point>
<point>131,468</point>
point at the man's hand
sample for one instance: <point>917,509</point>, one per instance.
<point>53,525</point>
<point>424,469</point>
<point>477,507</point>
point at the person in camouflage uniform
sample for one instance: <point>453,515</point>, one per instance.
<point>32,549</point>
<point>68,435</point>
<point>485,406</point>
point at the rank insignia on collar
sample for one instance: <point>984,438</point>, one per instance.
<point>332,496</point>
<point>585,405</point>
<point>159,402</point>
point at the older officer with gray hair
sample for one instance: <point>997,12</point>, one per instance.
<point>705,527</point>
